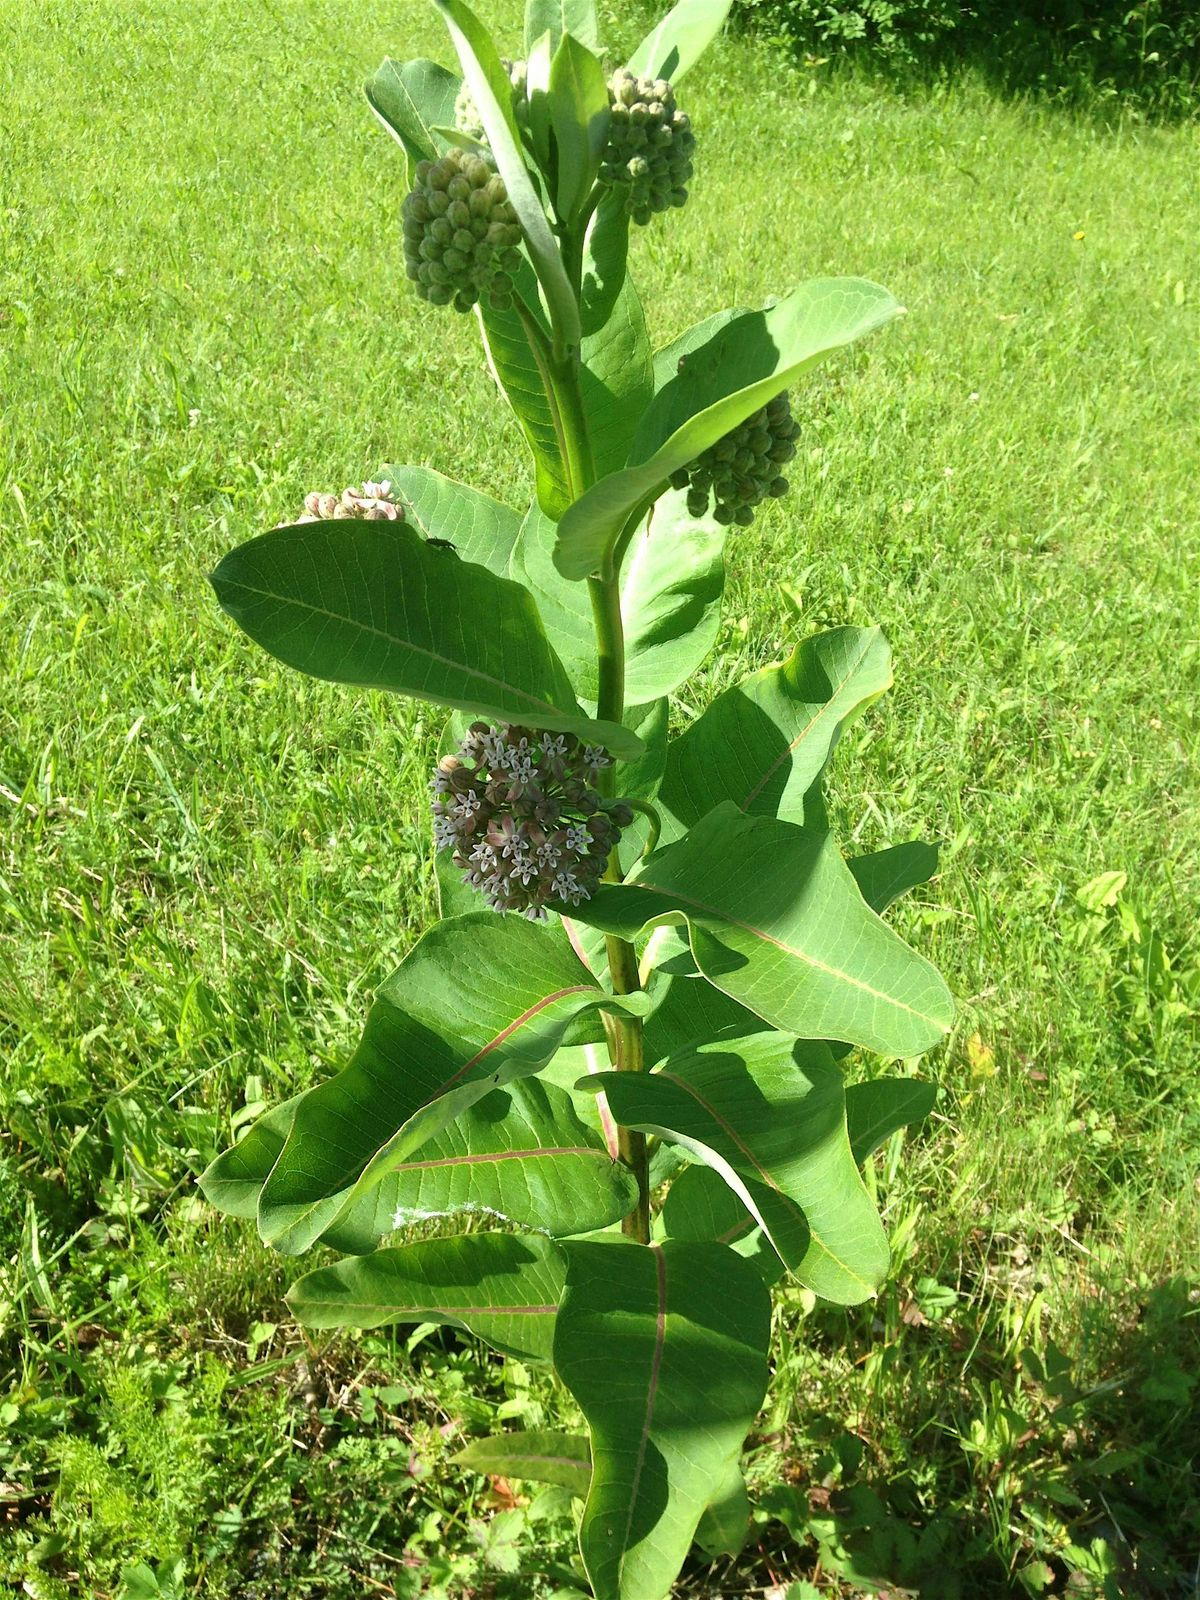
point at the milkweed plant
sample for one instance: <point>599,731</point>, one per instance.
<point>608,1083</point>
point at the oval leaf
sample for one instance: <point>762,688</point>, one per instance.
<point>672,582</point>
<point>769,1114</point>
<point>777,922</point>
<point>412,100</point>
<point>520,1153</point>
<point>877,1109</point>
<point>481,529</point>
<point>700,1205</point>
<point>503,1287</point>
<point>372,604</point>
<point>747,361</point>
<point>764,743</point>
<point>481,1000</point>
<point>665,1350</point>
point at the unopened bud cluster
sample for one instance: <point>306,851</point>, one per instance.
<point>742,469</point>
<point>461,233</point>
<point>518,808</point>
<point>650,144</point>
<point>466,114</point>
<point>372,503</point>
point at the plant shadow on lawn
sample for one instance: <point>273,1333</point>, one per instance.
<point>1051,1474</point>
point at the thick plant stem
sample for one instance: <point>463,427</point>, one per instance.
<point>625,1033</point>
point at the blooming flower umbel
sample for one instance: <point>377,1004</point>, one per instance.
<point>518,809</point>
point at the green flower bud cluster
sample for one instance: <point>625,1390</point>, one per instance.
<point>518,809</point>
<point>372,503</point>
<point>742,469</point>
<point>466,112</point>
<point>460,233</point>
<point>650,144</point>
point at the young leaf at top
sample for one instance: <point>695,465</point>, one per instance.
<point>503,1287</point>
<point>481,1000</point>
<point>777,922</point>
<point>743,365</point>
<point>765,742</point>
<point>679,40</point>
<point>491,90</point>
<point>769,1114</point>
<point>576,17</point>
<point>372,604</point>
<point>664,1349</point>
<point>606,252</point>
<point>579,119</point>
<point>412,100</point>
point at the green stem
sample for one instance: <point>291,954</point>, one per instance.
<point>625,1033</point>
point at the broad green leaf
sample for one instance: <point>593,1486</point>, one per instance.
<point>411,100</point>
<point>738,369</point>
<point>481,529</point>
<point>605,254</point>
<point>877,1108</point>
<point>725,1524</point>
<point>491,91</point>
<point>616,377</point>
<point>769,1114</point>
<point>576,17</point>
<point>615,380</point>
<point>672,581</point>
<point>665,1351</point>
<point>520,1153</point>
<point>765,742</point>
<point>233,1181</point>
<point>700,1205</point>
<point>524,382</point>
<point>692,1009</point>
<point>372,604</point>
<point>679,40</point>
<point>776,921</point>
<point>504,1287</point>
<point>885,875</point>
<point>480,1000</point>
<point>564,1459</point>
<point>579,119</point>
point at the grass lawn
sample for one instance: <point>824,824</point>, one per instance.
<point>207,862</point>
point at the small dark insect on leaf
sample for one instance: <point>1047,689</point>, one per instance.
<point>442,544</point>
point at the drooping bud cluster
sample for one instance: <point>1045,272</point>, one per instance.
<point>460,233</point>
<point>372,503</point>
<point>650,144</point>
<point>517,807</point>
<point>742,468</point>
<point>466,114</point>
